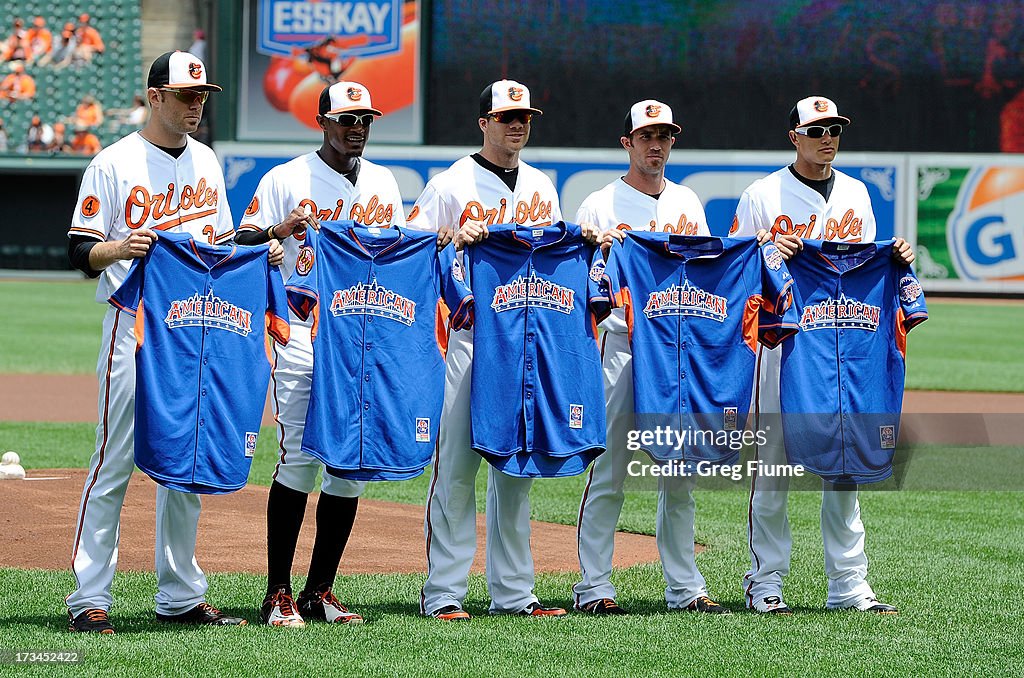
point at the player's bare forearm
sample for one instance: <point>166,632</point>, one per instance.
<point>135,246</point>
<point>903,252</point>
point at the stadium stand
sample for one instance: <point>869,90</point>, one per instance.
<point>111,76</point>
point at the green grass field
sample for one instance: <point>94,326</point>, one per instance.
<point>951,560</point>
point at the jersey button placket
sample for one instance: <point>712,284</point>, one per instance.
<point>529,359</point>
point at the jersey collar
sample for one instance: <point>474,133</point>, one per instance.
<point>694,246</point>
<point>357,234</point>
<point>536,237</point>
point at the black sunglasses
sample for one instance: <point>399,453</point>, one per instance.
<point>818,131</point>
<point>506,117</point>
<point>350,119</point>
<point>188,96</point>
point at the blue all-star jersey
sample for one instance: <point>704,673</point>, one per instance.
<point>202,316</point>
<point>696,308</point>
<point>842,377</point>
<point>537,391</point>
<point>382,302</point>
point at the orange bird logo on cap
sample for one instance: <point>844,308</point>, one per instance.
<point>195,70</point>
<point>515,93</point>
<point>820,105</point>
<point>354,93</point>
<point>653,111</point>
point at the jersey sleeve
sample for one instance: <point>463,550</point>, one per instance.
<point>277,306</point>
<point>912,305</point>
<point>777,317</point>
<point>746,221</point>
<point>261,213</point>
<point>225,225</point>
<point>397,207</point>
<point>430,211</point>
<point>455,289</point>
<point>96,208</point>
<point>598,296</point>
<point>301,287</point>
<point>616,286</point>
<point>128,297</point>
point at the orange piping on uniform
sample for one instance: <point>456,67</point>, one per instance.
<point>88,231</point>
<point>180,220</point>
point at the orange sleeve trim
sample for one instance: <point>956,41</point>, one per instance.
<point>750,313</point>
<point>88,231</point>
<point>901,335</point>
<point>249,227</point>
<point>140,327</point>
<point>316,323</point>
<point>129,311</point>
<point>227,235</point>
<point>278,328</point>
<point>441,316</point>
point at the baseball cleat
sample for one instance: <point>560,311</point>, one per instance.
<point>871,605</point>
<point>450,613</point>
<point>202,614</point>
<point>602,606</point>
<point>324,606</point>
<point>535,609</point>
<point>771,605</point>
<point>278,609</point>
<point>93,620</point>
<point>707,606</point>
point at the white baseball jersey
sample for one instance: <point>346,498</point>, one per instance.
<point>462,192</point>
<point>132,184</point>
<point>781,203</point>
<point>307,181</point>
<point>466,191</point>
<point>619,205</point>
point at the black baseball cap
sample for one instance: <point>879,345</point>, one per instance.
<point>179,70</point>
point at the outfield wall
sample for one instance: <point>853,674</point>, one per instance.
<point>964,213</point>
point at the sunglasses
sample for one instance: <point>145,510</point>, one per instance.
<point>818,131</point>
<point>350,119</point>
<point>188,96</point>
<point>506,117</point>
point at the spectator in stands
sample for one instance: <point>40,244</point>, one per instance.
<point>39,137</point>
<point>135,115</point>
<point>89,41</point>
<point>85,142</point>
<point>3,137</point>
<point>17,85</point>
<point>15,47</point>
<point>39,39</point>
<point>89,112</point>
<point>64,53</point>
<point>60,141</point>
<point>198,44</point>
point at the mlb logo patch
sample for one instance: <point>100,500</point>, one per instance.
<point>575,416</point>
<point>888,437</point>
<point>772,256</point>
<point>250,444</point>
<point>597,270</point>
<point>457,272</point>
<point>730,415</point>
<point>910,289</point>
<point>423,430</point>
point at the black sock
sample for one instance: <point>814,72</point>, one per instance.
<point>285,510</point>
<point>334,519</point>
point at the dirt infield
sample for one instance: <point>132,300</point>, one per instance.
<point>39,520</point>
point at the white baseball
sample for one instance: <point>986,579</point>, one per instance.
<point>11,457</point>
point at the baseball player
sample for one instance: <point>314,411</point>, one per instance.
<point>334,182</point>
<point>490,187</point>
<point>641,200</point>
<point>157,179</point>
<point>808,199</point>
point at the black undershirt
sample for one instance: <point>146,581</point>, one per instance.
<point>822,186</point>
<point>79,246</point>
<point>507,176</point>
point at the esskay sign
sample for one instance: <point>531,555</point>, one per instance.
<point>366,27</point>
